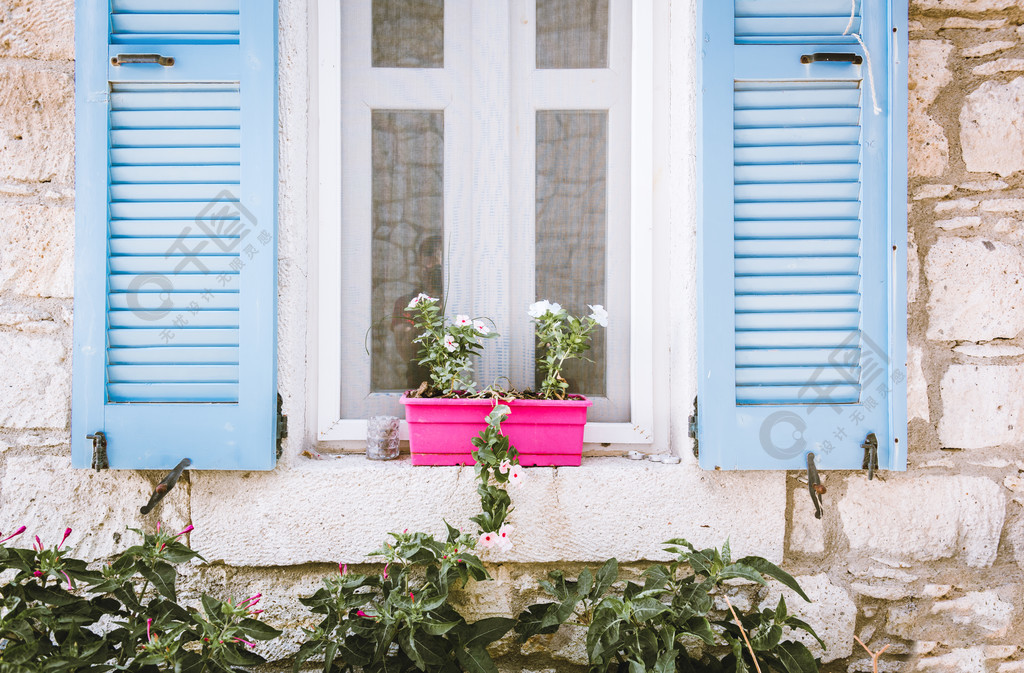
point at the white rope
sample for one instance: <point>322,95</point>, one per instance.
<point>867,54</point>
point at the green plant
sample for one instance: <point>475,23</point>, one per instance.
<point>402,620</point>
<point>446,346</point>
<point>124,617</point>
<point>497,464</point>
<point>561,337</point>
<point>647,627</point>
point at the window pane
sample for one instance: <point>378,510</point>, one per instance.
<point>408,33</point>
<point>407,250</point>
<point>572,149</point>
<point>572,33</point>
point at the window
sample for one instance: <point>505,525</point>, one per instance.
<point>489,153</point>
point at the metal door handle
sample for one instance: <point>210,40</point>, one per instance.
<point>831,57</point>
<point>122,59</point>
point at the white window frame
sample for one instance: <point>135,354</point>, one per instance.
<point>325,300</point>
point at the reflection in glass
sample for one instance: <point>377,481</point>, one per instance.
<point>407,250</point>
<point>572,179</point>
<point>408,33</point>
<point>572,34</point>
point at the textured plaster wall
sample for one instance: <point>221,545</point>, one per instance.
<point>928,562</point>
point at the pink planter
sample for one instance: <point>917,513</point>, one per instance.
<point>545,432</point>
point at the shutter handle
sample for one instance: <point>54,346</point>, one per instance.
<point>831,57</point>
<point>165,486</point>
<point>122,59</point>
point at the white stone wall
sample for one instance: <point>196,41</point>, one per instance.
<point>928,562</point>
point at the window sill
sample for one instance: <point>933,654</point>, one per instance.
<point>341,509</point>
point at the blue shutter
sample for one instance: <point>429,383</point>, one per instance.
<point>176,246</point>
<point>802,234</point>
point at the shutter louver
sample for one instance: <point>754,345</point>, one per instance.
<point>802,339</point>
<point>175,335</point>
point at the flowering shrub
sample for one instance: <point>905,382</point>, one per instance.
<point>650,627</point>
<point>123,617</point>
<point>561,337</point>
<point>446,346</point>
<point>401,619</point>
<point>497,464</point>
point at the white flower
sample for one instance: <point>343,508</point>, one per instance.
<point>449,343</point>
<point>555,307</point>
<point>504,537</point>
<point>418,298</point>
<point>463,320</point>
<point>488,540</point>
<point>539,308</point>
<point>504,465</point>
<point>599,315</point>
<point>480,327</point>
<point>515,475</point>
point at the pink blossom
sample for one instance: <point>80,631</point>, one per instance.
<point>38,545</point>
<point>250,601</point>
<point>449,343</point>
<point>239,640</point>
<point>188,529</point>
<point>488,540</point>
<point>411,597</point>
<point>480,327</point>
<point>463,321</point>
<point>343,569</point>
<point>504,466</point>
<point>504,537</point>
<point>67,532</point>
<point>38,573</point>
<point>149,634</point>
<point>14,534</point>
<point>419,298</point>
<point>70,585</point>
<point>360,613</point>
<point>385,573</point>
<point>515,475</point>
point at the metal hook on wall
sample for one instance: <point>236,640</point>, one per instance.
<point>814,485</point>
<point>165,486</point>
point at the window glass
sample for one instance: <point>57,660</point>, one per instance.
<point>408,33</point>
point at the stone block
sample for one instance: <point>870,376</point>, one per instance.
<point>987,48</point>
<point>929,147</point>
<point>37,125</point>
<point>972,6</point>
<point>806,536</point>
<point>35,380</point>
<point>966,660</point>
<point>983,406</point>
<point>46,494</point>
<point>924,518</point>
<point>37,250</point>
<point>977,293</point>
<point>832,614</point>
<point>43,29</point>
<point>1000,65</point>
<point>992,128</point>
<point>341,510</point>
<point>958,223</point>
<point>982,611</point>
<point>989,350</point>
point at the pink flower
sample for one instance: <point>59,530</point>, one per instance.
<point>515,475</point>
<point>38,573</point>
<point>488,540</point>
<point>449,343</point>
<point>250,601</point>
<point>411,597</point>
<point>360,613</point>
<point>14,534</point>
<point>70,585</point>
<point>188,529</point>
<point>480,327</point>
<point>385,573</point>
<point>421,297</point>
<point>67,531</point>
<point>504,466</point>
<point>463,321</point>
<point>38,545</point>
<point>149,634</point>
<point>239,640</point>
<point>343,569</point>
<point>504,539</point>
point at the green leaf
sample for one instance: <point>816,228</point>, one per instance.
<point>475,659</point>
<point>741,571</point>
<point>258,630</point>
<point>605,577</point>
<point>584,583</point>
<point>795,623</point>
<point>780,612</point>
<point>437,628</point>
<point>726,553</point>
<point>534,621</point>
<point>766,567</point>
<point>162,575</point>
<point>646,609</point>
<point>796,658</point>
<point>486,631</point>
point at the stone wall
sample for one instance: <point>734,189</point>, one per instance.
<point>928,562</point>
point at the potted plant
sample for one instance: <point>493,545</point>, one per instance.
<point>444,414</point>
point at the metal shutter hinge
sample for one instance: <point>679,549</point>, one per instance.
<point>282,425</point>
<point>870,447</point>
<point>165,486</point>
<point>99,451</point>
<point>814,485</point>
<point>692,429</point>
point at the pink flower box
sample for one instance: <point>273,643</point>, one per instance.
<point>545,432</point>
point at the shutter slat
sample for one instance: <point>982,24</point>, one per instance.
<point>187,211</point>
<point>183,282</point>
<point>759,303</point>
<point>796,266</point>
<point>812,357</point>
<point>202,192</point>
<point>772,229</point>
<point>173,392</point>
<point>790,247</point>
<point>202,6</point>
<point>181,156</point>
<point>803,172</point>
<point>795,320</point>
<point>780,376</point>
<point>176,137</point>
<point>795,98</point>
<point>797,154</point>
<point>173,355</point>
<point>789,210</point>
<point>796,284</point>
<point>153,301</point>
<point>791,135</point>
<point>176,265</point>
<point>169,319</point>
<point>795,339</point>
<point>798,191</point>
<point>817,393</point>
<point>797,116</point>
<point>175,337</point>
<point>185,119</point>
<point>176,373</point>
<point>142,173</point>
